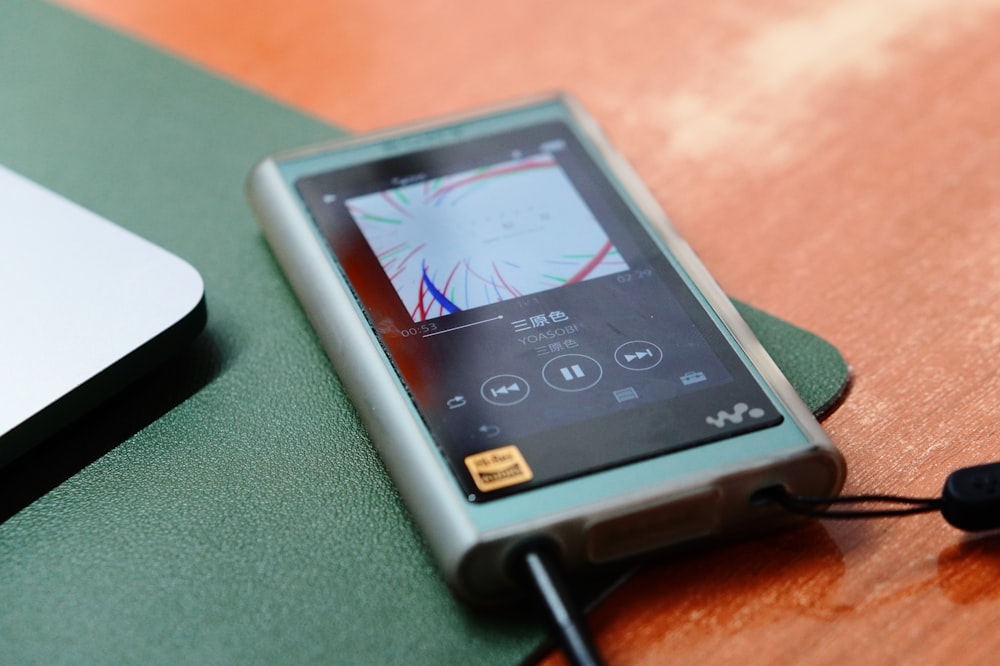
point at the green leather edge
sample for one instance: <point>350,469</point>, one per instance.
<point>248,522</point>
<point>813,366</point>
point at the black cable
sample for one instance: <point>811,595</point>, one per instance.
<point>545,576</point>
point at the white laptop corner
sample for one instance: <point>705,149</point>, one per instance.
<point>85,307</point>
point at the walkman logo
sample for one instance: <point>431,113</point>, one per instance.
<point>736,416</point>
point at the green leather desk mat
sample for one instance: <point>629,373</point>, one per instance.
<point>231,509</point>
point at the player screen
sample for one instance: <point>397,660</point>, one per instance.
<point>483,236</point>
<point>540,330</point>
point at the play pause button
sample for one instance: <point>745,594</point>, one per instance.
<point>572,372</point>
<point>638,355</point>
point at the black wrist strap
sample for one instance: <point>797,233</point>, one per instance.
<point>969,501</point>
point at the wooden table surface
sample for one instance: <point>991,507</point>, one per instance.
<point>836,162</point>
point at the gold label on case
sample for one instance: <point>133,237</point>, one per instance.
<point>498,468</point>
